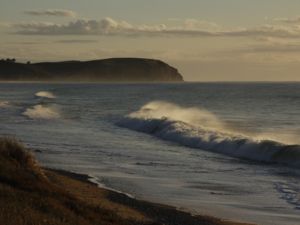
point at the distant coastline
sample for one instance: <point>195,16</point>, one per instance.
<point>103,70</point>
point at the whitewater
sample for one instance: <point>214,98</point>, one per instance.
<point>201,129</point>
<point>229,150</point>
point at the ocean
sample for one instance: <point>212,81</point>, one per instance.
<point>230,150</point>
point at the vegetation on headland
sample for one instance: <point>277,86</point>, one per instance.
<point>31,195</point>
<point>104,70</point>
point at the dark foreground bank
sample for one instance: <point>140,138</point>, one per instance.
<point>30,194</point>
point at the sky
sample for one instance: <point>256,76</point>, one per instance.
<point>207,40</point>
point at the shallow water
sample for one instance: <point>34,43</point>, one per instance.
<point>85,128</point>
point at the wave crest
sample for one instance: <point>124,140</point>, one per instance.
<point>45,94</point>
<point>4,104</point>
<point>194,135</point>
<point>190,115</point>
<point>42,112</point>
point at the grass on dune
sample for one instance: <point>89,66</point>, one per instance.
<point>27,196</point>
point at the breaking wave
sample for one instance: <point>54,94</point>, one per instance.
<point>200,129</point>
<point>4,104</point>
<point>42,112</point>
<point>45,94</point>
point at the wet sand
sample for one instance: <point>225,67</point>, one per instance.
<point>139,210</point>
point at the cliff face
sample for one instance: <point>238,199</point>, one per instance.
<point>106,70</point>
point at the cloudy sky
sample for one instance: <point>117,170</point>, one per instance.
<point>207,40</point>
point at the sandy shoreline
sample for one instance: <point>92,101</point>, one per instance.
<point>160,213</point>
<point>30,194</point>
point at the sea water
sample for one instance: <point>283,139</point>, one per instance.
<point>224,149</point>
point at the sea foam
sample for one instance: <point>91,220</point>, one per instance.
<point>45,94</point>
<point>42,112</point>
<point>4,104</point>
<point>200,129</point>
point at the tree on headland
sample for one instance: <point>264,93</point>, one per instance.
<point>13,60</point>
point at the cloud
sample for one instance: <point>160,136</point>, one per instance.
<point>273,48</point>
<point>25,42</point>
<point>51,12</point>
<point>194,24</point>
<point>262,31</point>
<point>4,24</point>
<point>190,28</point>
<point>76,41</point>
<point>288,20</point>
<point>106,26</point>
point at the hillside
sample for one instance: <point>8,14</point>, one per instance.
<point>105,70</point>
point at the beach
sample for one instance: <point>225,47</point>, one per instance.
<point>34,195</point>
<point>149,113</point>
